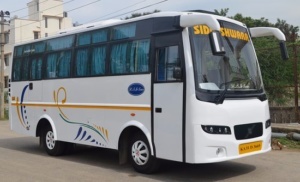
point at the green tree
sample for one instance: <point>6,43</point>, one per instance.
<point>222,12</point>
<point>291,32</point>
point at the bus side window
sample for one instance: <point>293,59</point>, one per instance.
<point>16,76</point>
<point>36,68</point>
<point>24,68</point>
<point>58,64</point>
<point>167,60</point>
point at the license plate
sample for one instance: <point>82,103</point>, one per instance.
<point>250,147</point>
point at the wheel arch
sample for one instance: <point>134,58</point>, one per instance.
<point>126,133</point>
<point>44,121</point>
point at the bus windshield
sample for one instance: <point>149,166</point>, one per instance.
<point>236,72</point>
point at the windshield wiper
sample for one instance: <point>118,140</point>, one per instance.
<point>220,99</point>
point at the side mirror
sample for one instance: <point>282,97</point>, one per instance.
<point>216,43</point>
<point>177,73</point>
<point>283,50</point>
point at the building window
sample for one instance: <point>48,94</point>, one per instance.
<point>6,82</point>
<point>38,6</point>
<point>59,24</point>
<point>36,35</point>
<point>46,22</point>
<point>6,60</point>
<point>46,34</point>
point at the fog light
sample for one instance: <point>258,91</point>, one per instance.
<point>220,152</point>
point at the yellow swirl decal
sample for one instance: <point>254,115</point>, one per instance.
<point>63,100</point>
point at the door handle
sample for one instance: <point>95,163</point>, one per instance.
<point>158,110</point>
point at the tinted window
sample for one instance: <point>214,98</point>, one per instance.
<point>60,43</point>
<point>98,60</point>
<point>36,68</point>
<point>39,47</point>
<point>93,37</point>
<point>90,62</point>
<point>58,64</point>
<point>82,62</point>
<point>130,57</point>
<point>124,31</point>
<point>24,69</point>
<point>18,51</point>
<point>16,75</point>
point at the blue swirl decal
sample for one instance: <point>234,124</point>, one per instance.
<point>82,132</point>
<point>23,107</point>
<point>136,89</point>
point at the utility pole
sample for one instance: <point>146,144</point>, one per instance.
<point>2,42</point>
<point>296,83</point>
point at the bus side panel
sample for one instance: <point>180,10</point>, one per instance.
<point>19,118</point>
<point>88,111</point>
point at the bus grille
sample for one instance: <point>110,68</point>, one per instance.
<point>248,131</point>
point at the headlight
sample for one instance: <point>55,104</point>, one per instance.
<point>211,129</point>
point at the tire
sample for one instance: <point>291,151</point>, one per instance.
<point>140,155</point>
<point>69,148</point>
<point>52,147</point>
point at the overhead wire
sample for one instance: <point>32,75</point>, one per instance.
<point>57,14</point>
<point>47,9</point>
<point>26,7</point>
<point>116,11</point>
<point>29,38</point>
<point>153,4</point>
<point>150,5</point>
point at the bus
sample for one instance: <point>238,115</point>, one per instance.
<point>180,86</point>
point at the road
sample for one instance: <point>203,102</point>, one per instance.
<point>21,159</point>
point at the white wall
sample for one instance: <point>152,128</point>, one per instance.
<point>52,8</point>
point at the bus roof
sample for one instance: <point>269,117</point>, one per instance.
<point>113,22</point>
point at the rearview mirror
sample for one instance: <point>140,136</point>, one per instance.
<point>283,50</point>
<point>216,43</point>
<point>177,73</point>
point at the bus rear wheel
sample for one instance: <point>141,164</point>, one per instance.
<point>52,147</point>
<point>140,155</point>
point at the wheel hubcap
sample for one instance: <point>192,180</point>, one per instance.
<point>50,142</point>
<point>140,153</point>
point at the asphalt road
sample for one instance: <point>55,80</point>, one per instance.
<point>21,159</point>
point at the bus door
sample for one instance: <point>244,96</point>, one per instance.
<point>168,96</point>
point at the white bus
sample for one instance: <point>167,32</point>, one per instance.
<point>180,86</point>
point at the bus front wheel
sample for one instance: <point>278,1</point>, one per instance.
<point>52,147</point>
<point>140,155</point>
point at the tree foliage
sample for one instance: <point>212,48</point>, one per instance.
<point>277,74</point>
<point>290,32</point>
<point>222,12</point>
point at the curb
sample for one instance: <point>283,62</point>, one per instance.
<point>286,128</point>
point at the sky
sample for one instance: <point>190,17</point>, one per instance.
<point>87,11</point>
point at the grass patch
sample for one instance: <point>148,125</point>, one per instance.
<point>6,115</point>
<point>290,144</point>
